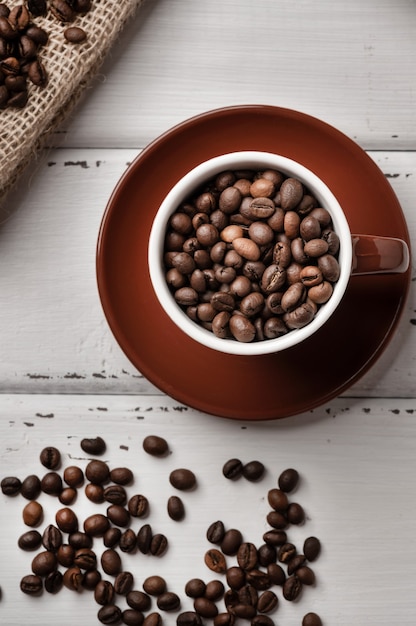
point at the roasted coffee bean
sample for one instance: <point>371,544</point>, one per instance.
<point>253,471</point>
<point>276,574</point>
<point>138,600</point>
<point>215,561</point>
<point>295,513</point>
<point>111,537</point>
<point>311,619</point>
<point>176,508</point>
<point>158,544</point>
<point>85,559</point>
<point>286,552</point>
<point>231,541</point>
<point>115,494</point>
<point>262,620</point>
<point>236,577</point>
<point>37,7</point>
<point>95,493</point>
<point>306,575</point>
<point>312,548</point>
<point>44,563</point>
<point>75,34</point>
<point>247,556</point>
<point>31,487</point>
<point>67,496</point>
<point>32,513</point>
<point>292,588</point>
<point>267,602</point>
<point>54,581</point>
<point>144,538</point>
<point>182,479</point>
<point>123,583</point>
<point>50,457</point>
<point>31,585</point>
<point>30,540</point>
<point>128,541</point>
<point>110,613</point>
<point>245,611</point>
<point>266,554</point>
<point>259,579</point>
<point>65,555</point>
<point>130,617</point>
<point>66,520</point>
<point>215,533</point>
<point>121,475</point>
<point>104,592</point>
<point>96,525</point>
<point>224,619</point>
<point>51,483</point>
<point>294,564</point>
<point>51,538</point>
<point>248,595</point>
<point>168,601</point>
<point>73,476</point>
<point>155,445</point>
<point>189,618</point>
<point>93,445</point>
<point>91,579</point>
<point>111,562</point>
<point>11,486</point>
<point>37,73</point>
<point>288,480</point>
<point>277,520</point>
<point>80,540</point>
<point>72,578</point>
<point>205,608</point>
<point>153,619</point>
<point>275,537</point>
<point>154,585</point>
<point>118,515</point>
<point>195,588</point>
<point>97,472</point>
<point>278,500</point>
<point>138,506</point>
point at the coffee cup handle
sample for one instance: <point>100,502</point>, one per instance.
<point>379,255</point>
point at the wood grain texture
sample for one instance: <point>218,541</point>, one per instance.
<point>355,458</point>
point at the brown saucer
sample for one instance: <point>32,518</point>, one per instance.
<point>259,387</point>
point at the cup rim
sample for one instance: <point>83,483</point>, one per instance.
<point>248,159</point>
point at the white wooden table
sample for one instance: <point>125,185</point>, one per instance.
<point>63,376</point>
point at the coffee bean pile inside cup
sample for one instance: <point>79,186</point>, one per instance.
<point>248,578</point>
<point>23,42</point>
<point>252,255</point>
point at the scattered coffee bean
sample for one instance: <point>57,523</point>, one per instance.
<point>253,470</point>
<point>311,619</point>
<point>32,513</point>
<point>51,483</point>
<point>115,494</point>
<point>138,600</point>
<point>189,618</point>
<point>128,541</point>
<point>216,532</point>
<point>153,619</point>
<point>123,583</point>
<point>306,575</point>
<point>30,540</point>
<point>91,579</point>
<point>74,34</point>
<point>73,476</point>
<point>247,556</point>
<point>66,520</point>
<point>54,581</point>
<point>168,601</point>
<point>224,619</point>
<point>214,590</point>
<point>176,508</point>
<point>85,558</point>
<point>158,544</point>
<point>182,479</point>
<point>72,578</point>
<point>111,537</point>
<point>110,613</point>
<point>195,588</point>
<point>205,608</point>
<point>44,563</point>
<point>278,500</point>
<point>292,588</point>
<point>104,592</point>
<point>138,506</point>
<point>288,480</point>
<point>51,538</point>
<point>275,537</point>
<point>154,585</point>
<point>31,585</point>
<point>215,560</point>
<point>118,515</point>
<point>97,472</point>
<point>94,445</point>
<point>231,541</point>
<point>233,469</point>
<point>130,617</point>
<point>111,562</point>
<point>144,538</point>
<point>95,493</point>
<point>96,525</point>
<point>50,457</point>
<point>276,574</point>
<point>67,496</point>
<point>295,513</point>
<point>312,548</point>
<point>121,475</point>
<point>262,620</point>
<point>31,487</point>
<point>155,445</point>
<point>267,602</point>
<point>65,555</point>
<point>11,485</point>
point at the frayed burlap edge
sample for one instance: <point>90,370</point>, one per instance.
<point>24,132</point>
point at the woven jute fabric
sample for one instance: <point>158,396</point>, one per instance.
<point>70,67</point>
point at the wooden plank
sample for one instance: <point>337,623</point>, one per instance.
<point>356,460</point>
<point>54,334</point>
<point>350,64</point>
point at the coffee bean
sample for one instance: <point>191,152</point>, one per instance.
<point>245,611</point>
<point>138,506</point>
<point>312,548</point>
<point>276,574</point>
<point>292,588</point>
<point>277,520</point>
<point>247,556</point>
<point>262,620</point>
<point>214,590</point>
<point>144,538</point>
<point>95,493</point>
<point>286,552</point>
<point>130,617</point>
<point>110,613</point>
<point>37,7</point>
<point>67,496</point>
<point>216,531</point>
<point>111,562</point>
<point>154,585</point>
<point>44,563</point>
<point>311,619</point>
<point>259,579</point>
<point>52,538</point>
<point>96,525</point>
<point>294,564</point>
<point>306,575</point>
<point>205,608</point>
<point>168,601</point>
<point>278,500</point>
<point>138,600</point>
<point>236,577</point>
<point>97,472</point>
<point>72,578</point>
<point>31,585</point>
<point>153,619</point>
<point>275,537</point>
<point>115,494</point>
<point>11,486</point>
<point>189,618</point>
<point>182,479</point>
<point>80,540</point>
<point>295,513</point>
<point>232,469</point>
<point>195,588</point>
<point>32,513</point>
<point>176,508</point>
<point>74,34</point>
<point>104,592</point>
<point>66,520</point>
<point>121,475</point>
<point>54,581</point>
<point>158,544</point>
<point>128,541</point>
<point>91,579</point>
<point>50,457</point>
<point>51,483</point>
<point>267,602</point>
<point>224,619</point>
<point>65,555</point>
<point>30,540</point>
<point>266,554</point>
<point>123,583</point>
<point>73,476</point>
<point>288,480</point>
<point>118,515</point>
<point>111,537</point>
<point>31,487</point>
<point>85,559</point>
<point>155,445</point>
<point>253,471</point>
<point>231,541</point>
<point>215,561</point>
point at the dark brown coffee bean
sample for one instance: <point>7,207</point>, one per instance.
<point>130,617</point>
<point>259,579</point>
<point>95,493</point>
<point>276,574</point>
<point>275,537</point>
<point>32,513</point>
<point>267,602</point>
<point>30,540</point>
<point>51,538</point>
<point>91,579</point>
<point>118,515</point>
<point>311,619</point>
<point>266,554</point>
<point>94,445</point>
<point>104,592</point>
<point>144,538</point>
<point>111,537</point>
<point>189,618</point>
<point>262,620</point>
<point>75,34</point>
<point>205,608</point>
<point>54,581</point>
<point>278,500</point>
<point>110,613</point>
<point>253,471</point>
<point>277,520</point>
<point>11,486</point>
<point>245,611</point>
<point>72,578</point>
<point>306,575</point>
<point>236,577</point>
<point>158,545</point>
<point>115,494</point>
<point>292,588</point>
<point>286,552</point>
<point>44,563</point>
<point>37,73</point>
<point>85,559</point>
<point>176,508</point>
<point>66,520</point>
<point>67,496</point>
<point>138,506</point>
<point>247,556</point>
<point>231,541</point>
<point>121,475</point>
<point>295,513</point>
<point>312,548</point>
<point>154,585</point>
<point>111,562</point>
<point>224,619</point>
<point>155,445</point>
<point>96,525</point>
<point>31,487</point>
<point>195,588</point>
<point>31,585</point>
<point>73,476</point>
<point>214,590</point>
<point>37,7</point>
<point>215,561</point>
<point>50,457</point>
<point>294,564</point>
<point>153,619</point>
<point>128,541</point>
<point>168,601</point>
<point>138,600</point>
<point>123,583</point>
<point>216,532</point>
<point>97,472</point>
<point>65,555</point>
<point>51,483</point>
<point>182,479</point>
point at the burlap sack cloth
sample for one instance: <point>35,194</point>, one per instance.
<point>70,67</point>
